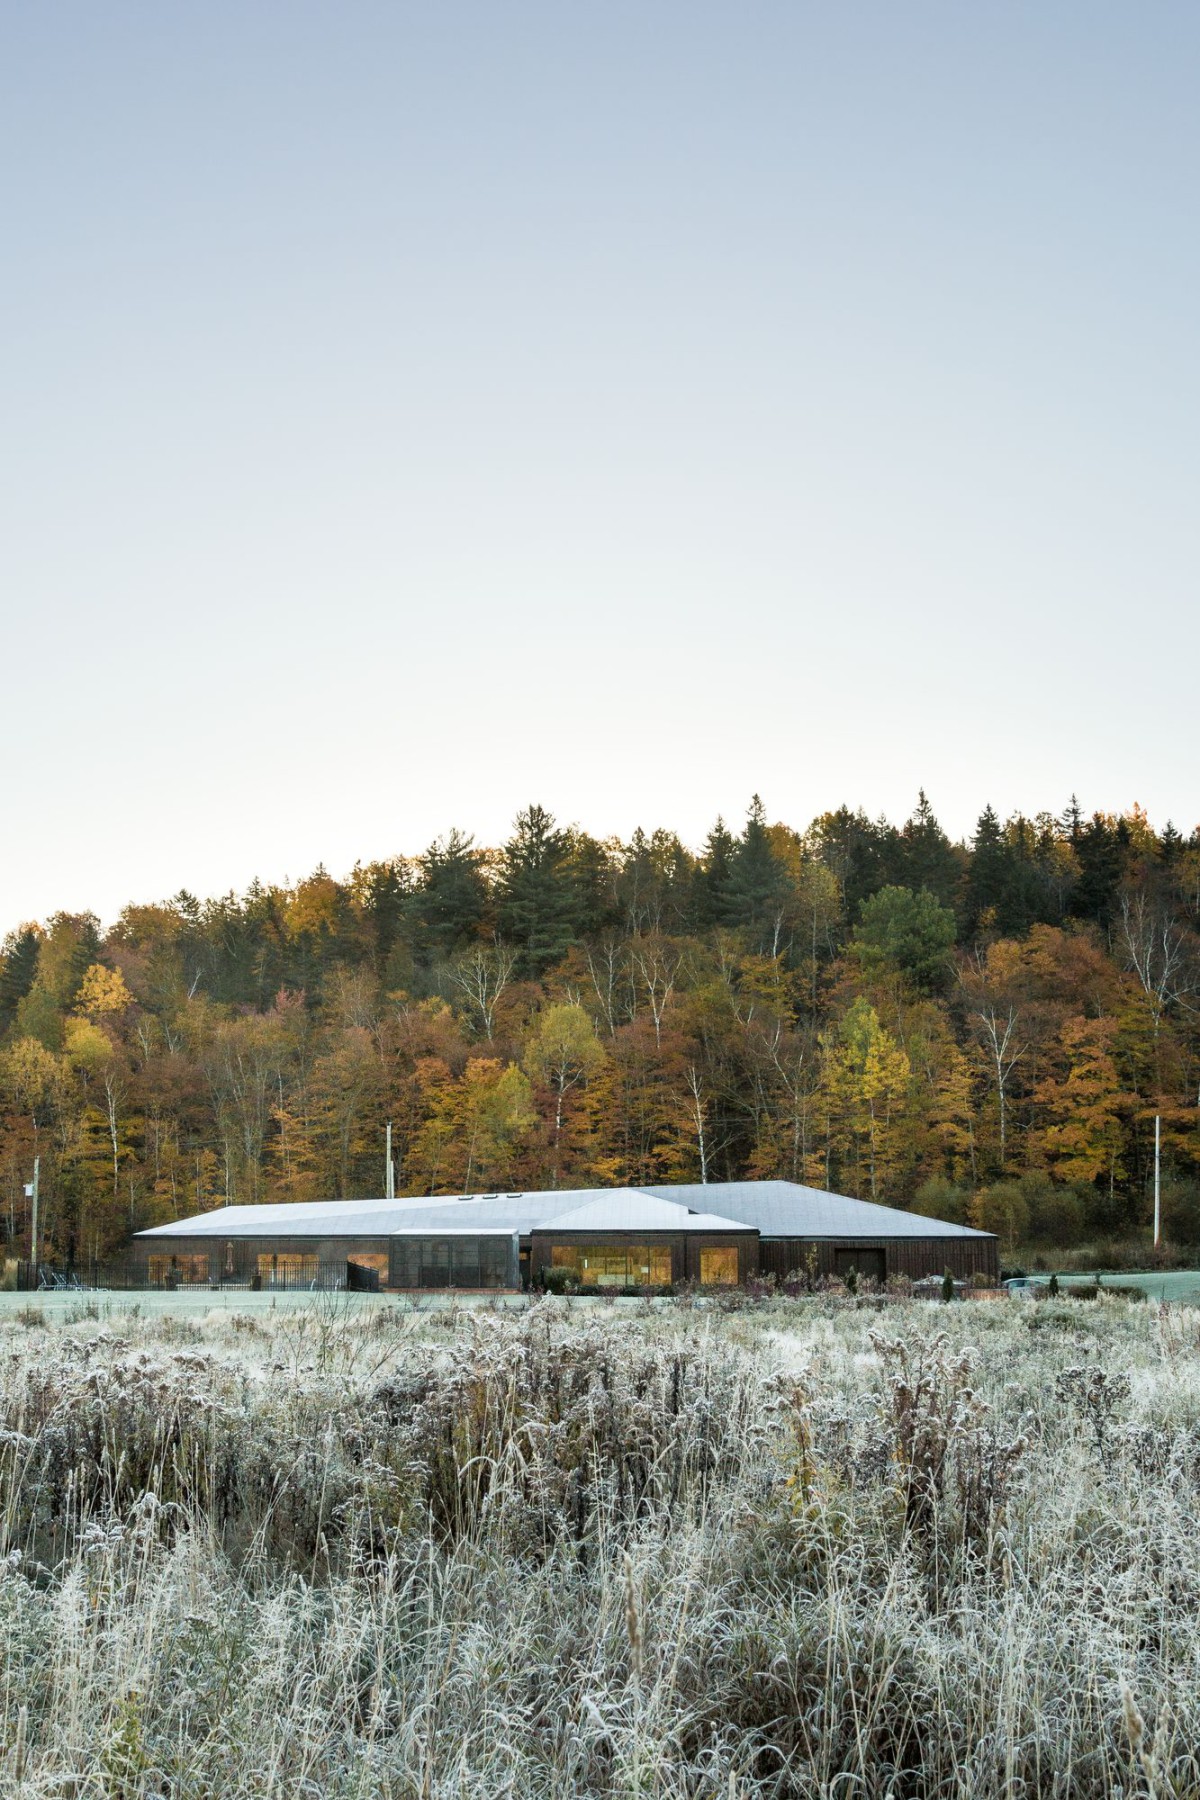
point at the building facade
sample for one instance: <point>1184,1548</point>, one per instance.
<point>718,1234</point>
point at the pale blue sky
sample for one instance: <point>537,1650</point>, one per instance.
<point>411,411</point>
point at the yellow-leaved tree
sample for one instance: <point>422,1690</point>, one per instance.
<point>102,992</point>
<point>474,1126</point>
<point>1084,1105</point>
<point>865,1082</point>
<point>562,1054</point>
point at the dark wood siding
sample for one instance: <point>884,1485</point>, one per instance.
<point>744,1243</point>
<point>913,1257</point>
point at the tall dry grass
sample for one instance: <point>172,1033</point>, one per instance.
<point>808,1549</point>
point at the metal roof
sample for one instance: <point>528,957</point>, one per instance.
<point>635,1209</point>
<point>787,1209</point>
<point>301,1218</point>
<point>776,1209</point>
<point>449,1231</point>
<point>431,1214</point>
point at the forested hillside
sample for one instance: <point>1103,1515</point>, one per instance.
<point>985,1030</point>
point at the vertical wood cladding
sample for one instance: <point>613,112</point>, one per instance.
<point>237,1259</point>
<point>914,1257</point>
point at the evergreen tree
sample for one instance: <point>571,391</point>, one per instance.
<point>990,877</point>
<point>907,932</point>
<point>18,966</point>
<point>711,883</point>
<point>1171,843</point>
<point>1055,870</point>
<point>537,894</point>
<point>592,874</point>
<point>450,901</point>
<point>385,893</point>
<point>926,856</point>
<point>1071,823</point>
<point>1025,901</point>
<point>229,948</point>
<point>639,895</point>
<point>675,868</point>
<point>1103,851</point>
<point>864,854</point>
<point>757,891</point>
<point>654,884</point>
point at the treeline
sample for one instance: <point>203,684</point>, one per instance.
<point>985,1030</point>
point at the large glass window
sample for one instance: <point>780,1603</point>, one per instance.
<point>718,1267</point>
<point>287,1269</point>
<point>435,1263</point>
<point>493,1262</point>
<point>406,1261</point>
<point>464,1263</point>
<point>650,1264</point>
<point>461,1262</point>
<point>178,1271</point>
<point>615,1265</point>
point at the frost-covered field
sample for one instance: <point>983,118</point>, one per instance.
<point>797,1549</point>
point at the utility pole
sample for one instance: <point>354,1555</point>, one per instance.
<point>32,1192</point>
<point>1157,1180</point>
<point>389,1167</point>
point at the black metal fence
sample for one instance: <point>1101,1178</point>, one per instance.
<point>310,1275</point>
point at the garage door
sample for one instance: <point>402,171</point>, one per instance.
<point>871,1264</point>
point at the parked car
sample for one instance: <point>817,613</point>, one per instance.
<point>1022,1287</point>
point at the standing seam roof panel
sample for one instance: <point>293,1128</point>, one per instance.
<point>786,1209</point>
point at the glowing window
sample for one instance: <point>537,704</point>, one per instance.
<point>286,1269</point>
<point>718,1267</point>
<point>181,1270</point>
<point>615,1265</point>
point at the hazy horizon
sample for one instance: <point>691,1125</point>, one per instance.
<point>414,414</point>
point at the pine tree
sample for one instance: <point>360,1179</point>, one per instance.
<point>927,857</point>
<point>711,881</point>
<point>385,897</point>
<point>756,894</point>
<point>450,902</point>
<point>990,877</point>
<point>18,967</point>
<point>1171,843</point>
<point>537,899</point>
<point>909,934</point>
<point>864,854</point>
<point>590,866</point>
<point>1071,823</point>
<point>1103,851</point>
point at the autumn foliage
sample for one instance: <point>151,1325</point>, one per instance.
<point>985,1031</point>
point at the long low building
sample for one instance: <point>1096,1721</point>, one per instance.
<point>716,1234</point>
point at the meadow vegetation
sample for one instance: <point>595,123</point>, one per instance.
<point>828,1546</point>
